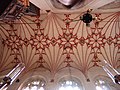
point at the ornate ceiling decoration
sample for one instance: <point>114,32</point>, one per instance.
<point>52,42</point>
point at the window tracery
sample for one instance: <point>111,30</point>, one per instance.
<point>34,84</point>
<point>70,84</point>
<point>105,83</point>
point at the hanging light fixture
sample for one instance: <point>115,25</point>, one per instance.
<point>11,76</point>
<point>112,73</point>
<point>87,17</point>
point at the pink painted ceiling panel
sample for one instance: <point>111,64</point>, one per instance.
<point>55,41</point>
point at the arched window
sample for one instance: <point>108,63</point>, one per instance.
<point>34,83</point>
<point>104,83</point>
<point>70,84</point>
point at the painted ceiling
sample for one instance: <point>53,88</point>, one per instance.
<point>54,42</point>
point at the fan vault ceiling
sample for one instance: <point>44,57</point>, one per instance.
<point>53,42</point>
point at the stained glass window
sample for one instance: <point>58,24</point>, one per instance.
<point>70,84</point>
<point>105,83</point>
<point>34,84</point>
